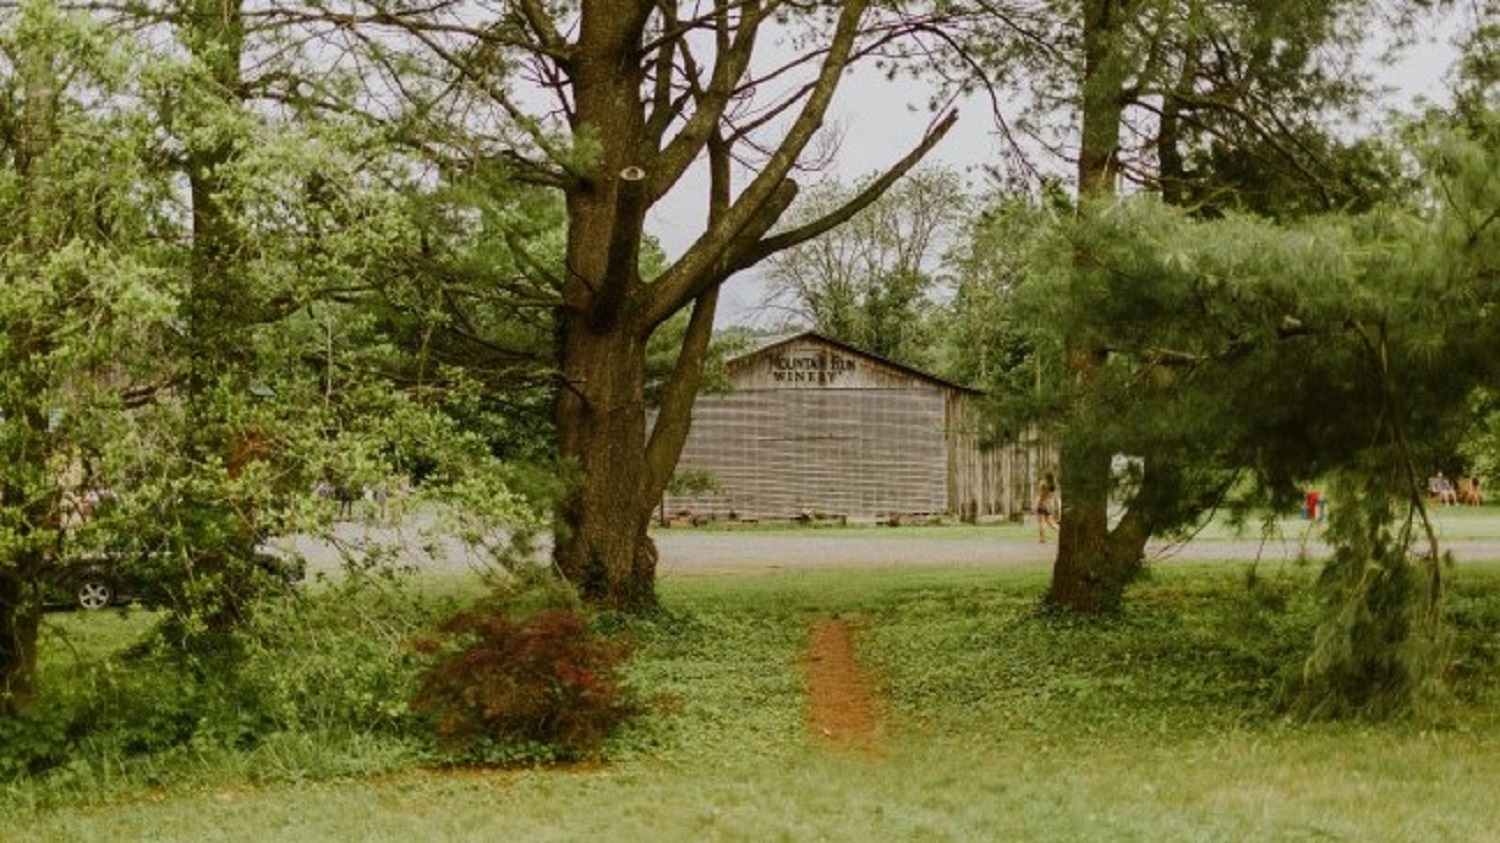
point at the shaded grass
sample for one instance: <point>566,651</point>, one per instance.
<point>1194,651</point>
<point>1003,723</point>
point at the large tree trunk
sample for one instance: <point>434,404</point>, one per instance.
<point>1082,577</point>
<point>607,313</point>
<point>20,618</point>
<point>602,546</point>
<point>221,310</point>
<point>33,514</point>
<point>27,508</point>
<point>1095,563</point>
<point>601,431</point>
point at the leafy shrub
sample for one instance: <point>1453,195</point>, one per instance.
<point>331,667</point>
<point>499,688</point>
<point>33,741</point>
<point>341,661</point>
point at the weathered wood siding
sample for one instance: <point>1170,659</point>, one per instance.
<point>854,453</point>
<point>995,480</point>
<point>817,428</point>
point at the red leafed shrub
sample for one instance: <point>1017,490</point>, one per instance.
<point>547,679</point>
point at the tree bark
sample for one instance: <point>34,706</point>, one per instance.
<point>20,619</point>
<point>1083,578</point>
<point>1104,76</point>
<point>1080,577</point>
<point>221,308</point>
<point>601,432</point>
<point>608,312</point>
<point>24,481</point>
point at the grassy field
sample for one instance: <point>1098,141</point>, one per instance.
<point>998,722</point>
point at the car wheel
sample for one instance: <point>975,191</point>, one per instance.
<point>94,594</point>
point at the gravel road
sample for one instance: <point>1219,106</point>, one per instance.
<point>686,552</point>
<point>690,552</point>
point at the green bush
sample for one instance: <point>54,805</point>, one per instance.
<point>332,665</point>
<point>342,661</point>
<point>32,742</point>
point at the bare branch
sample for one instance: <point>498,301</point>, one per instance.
<point>542,25</point>
<point>709,105</point>
<point>624,250</point>
<point>675,417</point>
<point>767,195</point>
<point>844,213</point>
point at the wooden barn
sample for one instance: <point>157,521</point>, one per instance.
<point>816,428</point>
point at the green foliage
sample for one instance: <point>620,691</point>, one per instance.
<point>339,661</point>
<point>463,312</point>
<point>1246,176</point>
<point>1214,104</point>
<point>1472,610</point>
<point>209,308</point>
<point>666,342</point>
<point>1480,445</point>
<point>1360,664</point>
<point>333,666</point>
<point>989,343</point>
<point>871,282</point>
<point>35,741</point>
<point>502,688</point>
<point>1238,358</point>
<point>691,481</point>
<point>83,307</point>
<point>1476,101</point>
<point>1382,648</point>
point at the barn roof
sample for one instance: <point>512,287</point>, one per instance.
<point>787,339</point>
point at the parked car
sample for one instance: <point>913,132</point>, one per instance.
<point>100,580</point>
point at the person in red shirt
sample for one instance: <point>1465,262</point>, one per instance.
<point>1312,506</point>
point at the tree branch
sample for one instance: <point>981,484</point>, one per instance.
<point>733,59</point>
<point>844,213</point>
<point>624,250</point>
<point>674,420</point>
<point>767,195</point>
<point>542,25</point>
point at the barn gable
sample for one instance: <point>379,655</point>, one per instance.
<point>811,360</point>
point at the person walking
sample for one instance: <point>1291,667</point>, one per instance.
<point>1046,509</point>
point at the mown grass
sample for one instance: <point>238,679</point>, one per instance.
<point>1001,723</point>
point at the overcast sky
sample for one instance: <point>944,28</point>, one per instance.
<point>880,120</point>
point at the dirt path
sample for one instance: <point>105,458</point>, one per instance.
<point>842,712</point>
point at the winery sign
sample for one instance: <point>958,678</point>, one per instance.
<point>811,368</point>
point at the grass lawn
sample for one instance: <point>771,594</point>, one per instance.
<point>1332,784</point>
<point>997,723</point>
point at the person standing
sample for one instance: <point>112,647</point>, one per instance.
<point>1046,508</point>
<point>1312,505</point>
<point>1439,488</point>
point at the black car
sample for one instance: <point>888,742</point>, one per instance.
<point>100,580</point>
